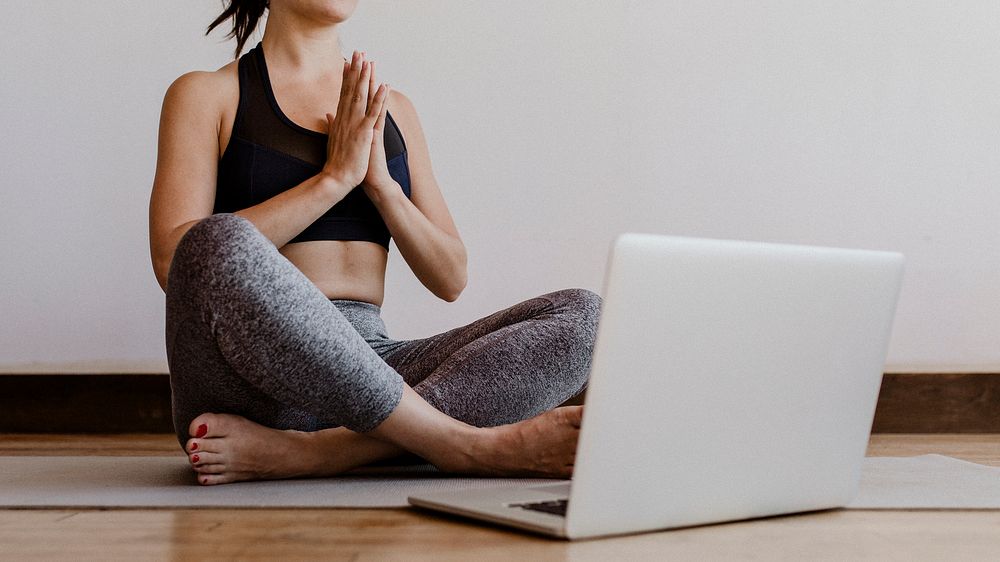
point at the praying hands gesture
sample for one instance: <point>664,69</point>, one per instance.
<point>355,150</point>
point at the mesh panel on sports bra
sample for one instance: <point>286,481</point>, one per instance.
<point>268,153</point>
<point>264,123</point>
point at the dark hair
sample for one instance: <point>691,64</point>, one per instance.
<point>245,14</point>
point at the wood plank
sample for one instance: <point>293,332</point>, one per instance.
<point>404,534</point>
<point>85,404</point>
<point>31,403</point>
<point>938,403</point>
<point>56,444</point>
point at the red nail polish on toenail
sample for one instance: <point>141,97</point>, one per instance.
<point>195,458</point>
<point>204,480</point>
<point>194,446</point>
<point>202,430</point>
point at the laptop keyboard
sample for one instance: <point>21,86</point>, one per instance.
<point>555,507</point>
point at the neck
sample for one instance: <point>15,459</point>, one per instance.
<point>306,47</point>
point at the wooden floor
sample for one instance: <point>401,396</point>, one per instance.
<point>402,534</point>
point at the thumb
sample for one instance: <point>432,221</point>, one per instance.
<point>378,140</point>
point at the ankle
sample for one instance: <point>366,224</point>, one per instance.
<point>490,450</point>
<point>467,447</point>
<point>306,451</point>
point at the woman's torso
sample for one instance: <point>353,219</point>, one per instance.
<point>266,148</point>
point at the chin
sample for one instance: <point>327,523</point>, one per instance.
<point>330,11</point>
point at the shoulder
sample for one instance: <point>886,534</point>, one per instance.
<point>404,113</point>
<point>206,85</point>
<point>399,102</point>
<point>202,92</point>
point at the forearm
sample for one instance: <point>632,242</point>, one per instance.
<point>287,214</point>
<point>437,258</point>
<point>280,218</point>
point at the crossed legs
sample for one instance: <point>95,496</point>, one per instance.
<point>249,335</point>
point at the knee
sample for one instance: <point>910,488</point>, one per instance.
<point>218,236</point>
<point>581,302</point>
<point>582,307</point>
<point>214,246</point>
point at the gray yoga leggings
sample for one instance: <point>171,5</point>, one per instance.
<point>248,334</point>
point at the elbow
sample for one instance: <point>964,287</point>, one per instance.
<point>452,291</point>
<point>161,275</point>
<point>451,279</point>
<point>162,248</point>
<point>451,296</point>
<point>161,267</point>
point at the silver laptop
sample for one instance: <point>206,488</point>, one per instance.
<point>730,380</point>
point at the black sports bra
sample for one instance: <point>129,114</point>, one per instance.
<point>268,154</point>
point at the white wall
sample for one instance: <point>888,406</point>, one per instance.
<point>553,126</point>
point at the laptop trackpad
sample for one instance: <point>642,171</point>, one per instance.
<point>561,489</point>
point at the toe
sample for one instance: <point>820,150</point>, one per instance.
<point>212,479</point>
<point>207,479</point>
<point>206,425</point>
<point>201,458</point>
<point>574,415</point>
<point>206,445</point>
<point>210,469</point>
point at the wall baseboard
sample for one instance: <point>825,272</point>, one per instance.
<point>60,403</point>
<point>938,403</point>
<point>140,403</point>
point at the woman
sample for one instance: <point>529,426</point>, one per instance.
<point>279,182</point>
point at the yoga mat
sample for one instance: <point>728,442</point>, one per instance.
<point>170,482</point>
<point>923,482</point>
<point>927,482</point>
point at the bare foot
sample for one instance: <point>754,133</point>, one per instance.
<point>228,448</point>
<point>543,446</point>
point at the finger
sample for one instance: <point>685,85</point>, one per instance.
<point>377,105</point>
<point>353,74</point>
<point>372,89</point>
<point>380,123</point>
<point>345,83</point>
<point>361,93</point>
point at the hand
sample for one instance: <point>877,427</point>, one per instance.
<point>377,177</point>
<point>351,130</point>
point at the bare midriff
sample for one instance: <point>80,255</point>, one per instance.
<point>342,269</point>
